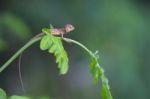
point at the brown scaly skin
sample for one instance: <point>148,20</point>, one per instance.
<point>61,31</point>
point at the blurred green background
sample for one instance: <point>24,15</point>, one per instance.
<point>119,29</point>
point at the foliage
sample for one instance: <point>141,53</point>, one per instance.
<point>98,73</point>
<point>19,28</point>
<point>96,70</point>
<point>4,96</point>
<point>118,28</point>
<point>14,24</point>
<point>54,45</point>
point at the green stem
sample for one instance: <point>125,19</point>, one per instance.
<point>27,45</point>
<point>81,45</point>
<point>106,94</point>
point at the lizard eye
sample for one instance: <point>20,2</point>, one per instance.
<point>69,27</point>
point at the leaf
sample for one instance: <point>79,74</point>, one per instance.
<point>98,74</point>
<point>45,43</point>
<point>54,45</point>
<point>16,25</point>
<point>2,94</point>
<point>19,97</point>
<point>105,89</point>
<point>95,69</point>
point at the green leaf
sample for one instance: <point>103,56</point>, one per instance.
<point>16,25</point>
<point>45,43</point>
<point>19,97</point>
<point>95,69</point>
<point>54,45</point>
<point>98,74</point>
<point>105,89</point>
<point>2,94</point>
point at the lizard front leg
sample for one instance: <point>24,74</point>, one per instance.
<point>62,35</point>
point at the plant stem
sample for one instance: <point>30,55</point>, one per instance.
<point>81,45</point>
<point>27,45</point>
<point>106,94</point>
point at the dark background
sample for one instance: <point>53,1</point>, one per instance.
<point>119,29</point>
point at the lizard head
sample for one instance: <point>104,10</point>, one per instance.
<point>69,27</point>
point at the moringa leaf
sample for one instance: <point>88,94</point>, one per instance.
<point>106,94</point>
<point>95,69</point>
<point>54,45</point>
<point>98,73</point>
<point>45,43</point>
<point>61,55</point>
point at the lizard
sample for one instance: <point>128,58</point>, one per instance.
<point>61,31</point>
<point>58,31</point>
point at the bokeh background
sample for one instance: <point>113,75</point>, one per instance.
<point>119,29</point>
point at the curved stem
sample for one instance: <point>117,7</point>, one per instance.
<point>106,94</point>
<point>81,45</point>
<point>27,45</point>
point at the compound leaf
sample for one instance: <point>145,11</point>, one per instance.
<point>95,70</point>
<point>98,73</point>
<point>106,94</point>
<point>45,43</point>
<point>54,45</point>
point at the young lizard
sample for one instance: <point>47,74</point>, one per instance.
<point>61,31</point>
